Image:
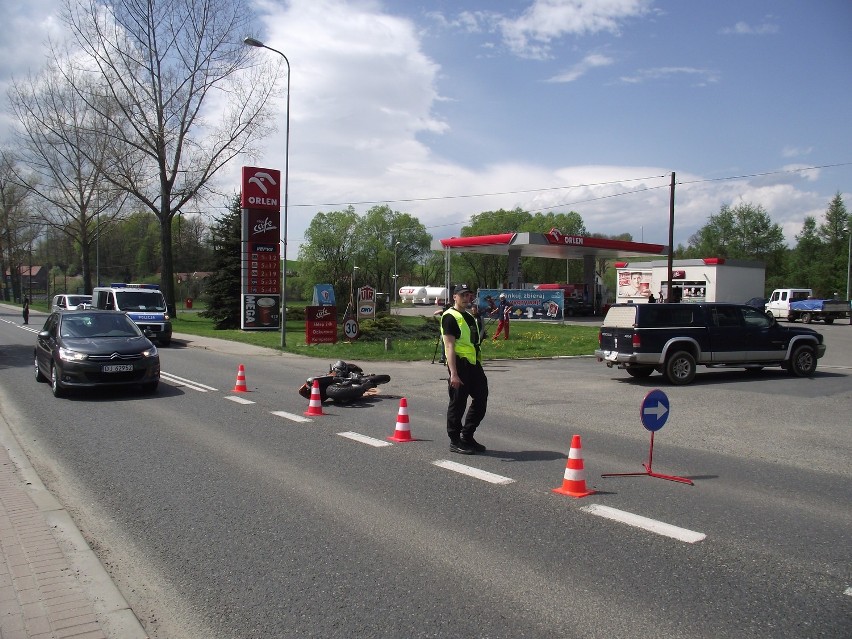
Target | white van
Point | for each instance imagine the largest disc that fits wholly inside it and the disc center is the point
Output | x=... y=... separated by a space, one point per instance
x=779 y=302
x=70 y=302
x=145 y=304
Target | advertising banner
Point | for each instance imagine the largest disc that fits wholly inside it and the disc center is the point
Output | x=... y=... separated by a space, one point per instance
x=635 y=284
x=324 y=295
x=526 y=303
x=261 y=312
x=320 y=325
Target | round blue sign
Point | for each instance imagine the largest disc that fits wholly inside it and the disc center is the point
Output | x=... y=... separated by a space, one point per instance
x=655 y=410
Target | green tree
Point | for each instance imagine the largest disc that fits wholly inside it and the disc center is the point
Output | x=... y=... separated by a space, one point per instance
x=327 y=252
x=743 y=232
x=831 y=274
x=487 y=271
x=223 y=288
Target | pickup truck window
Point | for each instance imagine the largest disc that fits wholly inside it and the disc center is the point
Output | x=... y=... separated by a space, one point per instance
x=665 y=315
x=725 y=316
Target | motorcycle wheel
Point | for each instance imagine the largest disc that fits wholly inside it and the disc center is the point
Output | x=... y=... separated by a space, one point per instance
x=347 y=392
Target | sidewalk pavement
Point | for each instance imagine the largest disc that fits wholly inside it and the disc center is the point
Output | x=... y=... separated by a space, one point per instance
x=52 y=585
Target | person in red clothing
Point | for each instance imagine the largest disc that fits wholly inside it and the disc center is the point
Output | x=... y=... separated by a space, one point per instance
x=503 y=313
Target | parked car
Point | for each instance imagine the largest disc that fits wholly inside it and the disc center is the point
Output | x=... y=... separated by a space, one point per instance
x=70 y=302
x=574 y=306
x=91 y=348
x=758 y=303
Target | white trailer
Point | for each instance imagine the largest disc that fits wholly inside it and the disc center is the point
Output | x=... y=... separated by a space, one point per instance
x=711 y=279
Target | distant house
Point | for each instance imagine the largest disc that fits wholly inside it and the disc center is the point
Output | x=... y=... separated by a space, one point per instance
x=35 y=274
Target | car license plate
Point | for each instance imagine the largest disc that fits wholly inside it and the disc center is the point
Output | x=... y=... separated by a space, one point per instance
x=117 y=368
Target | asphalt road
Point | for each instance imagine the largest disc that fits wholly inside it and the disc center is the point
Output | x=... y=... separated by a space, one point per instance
x=221 y=518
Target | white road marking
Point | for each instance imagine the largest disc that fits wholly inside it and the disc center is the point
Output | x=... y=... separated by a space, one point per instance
x=238 y=400
x=292 y=417
x=651 y=525
x=470 y=471
x=371 y=441
x=848 y=591
x=201 y=388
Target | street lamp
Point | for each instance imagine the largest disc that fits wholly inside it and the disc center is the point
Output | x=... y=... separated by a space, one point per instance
x=352 y=290
x=257 y=43
x=848 y=259
x=395 y=273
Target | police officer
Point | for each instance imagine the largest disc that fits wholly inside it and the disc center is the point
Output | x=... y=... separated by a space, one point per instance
x=460 y=335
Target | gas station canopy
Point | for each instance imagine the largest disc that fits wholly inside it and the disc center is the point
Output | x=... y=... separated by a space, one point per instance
x=553 y=244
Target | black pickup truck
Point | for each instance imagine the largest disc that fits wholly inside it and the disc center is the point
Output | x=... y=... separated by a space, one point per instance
x=674 y=338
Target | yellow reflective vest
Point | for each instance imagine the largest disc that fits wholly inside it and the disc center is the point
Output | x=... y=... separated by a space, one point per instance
x=465 y=347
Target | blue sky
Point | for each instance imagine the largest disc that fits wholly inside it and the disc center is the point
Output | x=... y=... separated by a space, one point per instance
x=550 y=105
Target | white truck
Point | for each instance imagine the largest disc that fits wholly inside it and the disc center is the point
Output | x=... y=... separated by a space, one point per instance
x=781 y=298
x=795 y=304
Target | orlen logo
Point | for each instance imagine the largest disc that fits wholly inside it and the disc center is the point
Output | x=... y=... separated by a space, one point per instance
x=261 y=188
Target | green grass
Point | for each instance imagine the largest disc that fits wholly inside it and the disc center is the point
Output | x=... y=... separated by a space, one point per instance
x=412 y=339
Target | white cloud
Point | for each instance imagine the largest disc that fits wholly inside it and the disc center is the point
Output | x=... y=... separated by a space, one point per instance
x=701 y=76
x=546 y=20
x=743 y=28
x=580 y=69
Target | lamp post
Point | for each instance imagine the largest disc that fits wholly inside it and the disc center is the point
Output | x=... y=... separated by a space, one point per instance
x=848 y=259
x=395 y=273
x=257 y=43
x=352 y=291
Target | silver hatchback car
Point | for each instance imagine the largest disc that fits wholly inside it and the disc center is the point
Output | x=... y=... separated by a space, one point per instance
x=71 y=302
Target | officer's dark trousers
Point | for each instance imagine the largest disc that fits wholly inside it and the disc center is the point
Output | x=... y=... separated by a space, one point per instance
x=474 y=386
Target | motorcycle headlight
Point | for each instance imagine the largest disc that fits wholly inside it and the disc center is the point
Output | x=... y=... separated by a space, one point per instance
x=67 y=355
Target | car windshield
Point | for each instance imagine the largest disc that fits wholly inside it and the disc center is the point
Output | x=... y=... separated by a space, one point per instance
x=76 y=300
x=85 y=325
x=141 y=301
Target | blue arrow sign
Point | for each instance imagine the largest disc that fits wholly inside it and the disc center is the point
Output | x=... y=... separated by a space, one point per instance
x=655 y=410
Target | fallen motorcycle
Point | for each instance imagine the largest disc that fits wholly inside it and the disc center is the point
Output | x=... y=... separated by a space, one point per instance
x=343 y=383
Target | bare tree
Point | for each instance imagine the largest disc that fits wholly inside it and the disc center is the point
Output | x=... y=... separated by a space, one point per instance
x=17 y=230
x=183 y=92
x=65 y=148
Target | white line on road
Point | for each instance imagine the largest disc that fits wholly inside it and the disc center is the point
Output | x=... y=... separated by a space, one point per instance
x=848 y=591
x=651 y=525
x=238 y=400
x=201 y=388
x=470 y=471
x=292 y=417
x=371 y=441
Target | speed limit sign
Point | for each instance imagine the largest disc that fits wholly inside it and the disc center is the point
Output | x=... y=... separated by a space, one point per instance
x=350 y=328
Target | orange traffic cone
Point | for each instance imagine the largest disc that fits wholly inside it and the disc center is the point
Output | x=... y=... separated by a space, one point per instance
x=403 y=431
x=240 y=386
x=315 y=405
x=574 y=483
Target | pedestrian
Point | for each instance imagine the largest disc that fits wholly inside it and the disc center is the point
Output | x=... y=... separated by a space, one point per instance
x=503 y=311
x=467 y=378
x=26 y=310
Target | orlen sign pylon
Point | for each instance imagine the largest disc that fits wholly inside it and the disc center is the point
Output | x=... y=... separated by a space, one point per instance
x=261 y=249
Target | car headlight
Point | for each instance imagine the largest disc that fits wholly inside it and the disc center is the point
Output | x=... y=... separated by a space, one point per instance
x=67 y=355
x=150 y=352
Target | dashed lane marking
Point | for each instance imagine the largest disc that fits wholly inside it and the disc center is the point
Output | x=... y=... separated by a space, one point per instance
x=292 y=417
x=238 y=400
x=651 y=525
x=370 y=441
x=198 y=386
x=470 y=471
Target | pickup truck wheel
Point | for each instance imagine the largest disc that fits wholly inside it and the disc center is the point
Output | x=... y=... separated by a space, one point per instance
x=804 y=361
x=807 y=318
x=639 y=371
x=680 y=368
